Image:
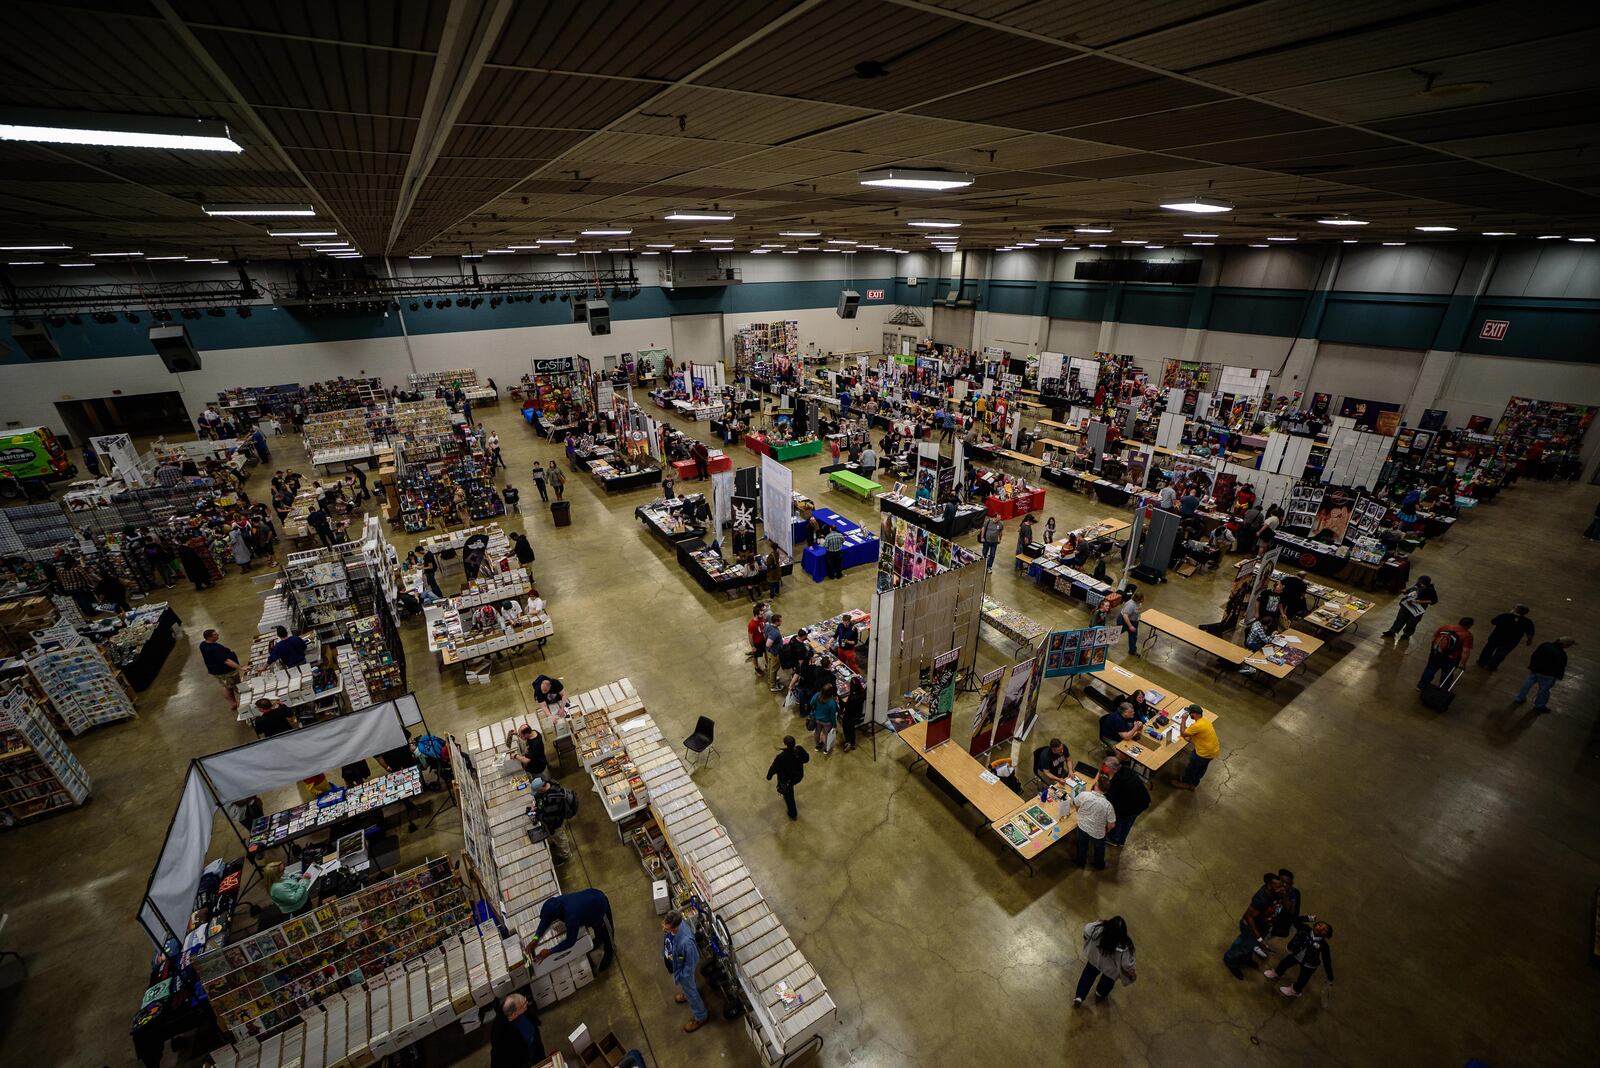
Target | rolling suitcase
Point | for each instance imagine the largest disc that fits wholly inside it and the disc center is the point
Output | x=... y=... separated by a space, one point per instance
x=1438 y=696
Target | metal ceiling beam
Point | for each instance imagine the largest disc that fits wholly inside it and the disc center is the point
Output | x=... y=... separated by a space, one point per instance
x=471 y=30
x=348 y=290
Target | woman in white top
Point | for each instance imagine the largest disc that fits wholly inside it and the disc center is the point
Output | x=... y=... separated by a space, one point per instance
x=535 y=605
x=1108 y=956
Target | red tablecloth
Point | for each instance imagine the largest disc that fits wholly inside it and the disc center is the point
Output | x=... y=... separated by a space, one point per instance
x=686 y=469
x=757 y=443
x=1022 y=504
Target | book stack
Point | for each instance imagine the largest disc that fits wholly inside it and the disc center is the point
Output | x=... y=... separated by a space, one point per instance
x=352 y=678
x=38 y=773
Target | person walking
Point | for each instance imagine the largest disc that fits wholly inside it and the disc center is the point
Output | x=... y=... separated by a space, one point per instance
x=222 y=664
x=558 y=481
x=1024 y=539
x=1546 y=667
x=1128 y=620
x=1128 y=796
x=1255 y=926
x=553 y=806
x=1509 y=629
x=1107 y=956
x=789 y=767
x=1449 y=649
x=320 y=521
x=521 y=548
x=869 y=464
x=1195 y=728
x=756 y=631
x=538 y=480
x=239 y=546
x=833 y=550
x=1308 y=949
x=1413 y=603
x=824 y=715
x=1096 y=818
x=774 y=573
x=576 y=911
x=682 y=956
x=496 y=461
x=989 y=537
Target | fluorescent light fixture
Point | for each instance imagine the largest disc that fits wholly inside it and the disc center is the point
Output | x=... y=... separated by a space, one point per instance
x=159 y=259
x=760 y=251
x=1052 y=240
x=839 y=241
x=1134 y=241
x=1341 y=220
x=697 y=215
x=852 y=252
x=1205 y=244
x=607 y=232
x=1548 y=237
x=1437 y=229
x=681 y=251
x=35 y=248
x=912 y=178
x=1346 y=241
x=112 y=255
x=799 y=233
x=303 y=233
x=1071 y=248
x=936 y=224
x=774 y=244
x=1198 y=205
x=1094 y=228
x=1097 y=246
x=32 y=263
x=115 y=131
x=258 y=209
x=809 y=248
x=347 y=255
x=716 y=240
x=419 y=257
x=1262 y=245
x=1201 y=236
x=1393 y=244
x=658 y=246
x=472 y=255
x=1027 y=244
x=1282 y=239
x=1582 y=240
x=555 y=241
x=791 y=252
x=499 y=252
x=325 y=244
x=566 y=253
x=619 y=250
x=1499 y=233
x=77 y=265
x=1155 y=246
x=651 y=253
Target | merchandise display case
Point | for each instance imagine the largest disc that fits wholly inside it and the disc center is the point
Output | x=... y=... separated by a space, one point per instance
x=38 y=773
x=77 y=680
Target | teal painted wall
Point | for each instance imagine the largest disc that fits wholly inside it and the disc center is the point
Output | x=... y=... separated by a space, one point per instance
x=1542 y=328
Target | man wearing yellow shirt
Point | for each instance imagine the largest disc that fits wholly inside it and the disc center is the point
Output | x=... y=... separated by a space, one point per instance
x=1197 y=729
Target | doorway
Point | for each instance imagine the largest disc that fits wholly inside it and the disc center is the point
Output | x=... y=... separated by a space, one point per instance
x=142 y=414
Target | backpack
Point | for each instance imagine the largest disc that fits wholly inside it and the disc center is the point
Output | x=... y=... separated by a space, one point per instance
x=569 y=803
x=1445 y=642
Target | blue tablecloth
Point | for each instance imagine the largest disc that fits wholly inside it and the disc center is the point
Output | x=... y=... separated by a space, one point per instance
x=814 y=559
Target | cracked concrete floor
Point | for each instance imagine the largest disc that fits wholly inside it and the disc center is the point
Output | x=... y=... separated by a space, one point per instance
x=1456 y=854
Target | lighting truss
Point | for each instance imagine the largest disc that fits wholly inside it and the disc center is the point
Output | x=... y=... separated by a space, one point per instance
x=309 y=291
x=109 y=296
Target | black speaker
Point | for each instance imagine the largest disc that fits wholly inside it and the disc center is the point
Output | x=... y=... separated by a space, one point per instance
x=599 y=317
x=34 y=339
x=172 y=345
x=849 y=300
x=580 y=309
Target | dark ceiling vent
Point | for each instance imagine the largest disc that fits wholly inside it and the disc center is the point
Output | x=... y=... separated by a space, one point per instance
x=871 y=68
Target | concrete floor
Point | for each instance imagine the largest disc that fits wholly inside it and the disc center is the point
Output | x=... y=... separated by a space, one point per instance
x=1455 y=854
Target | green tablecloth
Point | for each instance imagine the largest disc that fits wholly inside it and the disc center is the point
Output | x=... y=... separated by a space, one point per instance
x=865 y=488
x=796 y=451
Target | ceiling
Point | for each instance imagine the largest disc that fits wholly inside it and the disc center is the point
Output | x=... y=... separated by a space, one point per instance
x=443 y=126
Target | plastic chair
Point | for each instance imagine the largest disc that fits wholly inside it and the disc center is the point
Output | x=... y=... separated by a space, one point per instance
x=699 y=743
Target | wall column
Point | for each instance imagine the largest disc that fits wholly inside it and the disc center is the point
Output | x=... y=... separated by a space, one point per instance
x=1440 y=360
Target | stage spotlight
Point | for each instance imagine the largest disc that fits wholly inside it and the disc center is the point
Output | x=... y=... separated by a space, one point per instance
x=444 y=304
x=57 y=320
x=217 y=313
x=132 y=318
x=244 y=311
x=99 y=317
x=161 y=316
x=75 y=320
x=413 y=305
x=427 y=304
x=190 y=313
x=494 y=302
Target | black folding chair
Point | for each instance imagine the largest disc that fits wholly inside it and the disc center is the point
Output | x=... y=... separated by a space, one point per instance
x=699 y=743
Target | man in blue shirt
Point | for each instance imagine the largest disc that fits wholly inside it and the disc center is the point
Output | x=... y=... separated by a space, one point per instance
x=577 y=910
x=682 y=957
x=222 y=664
x=1121 y=725
x=289 y=650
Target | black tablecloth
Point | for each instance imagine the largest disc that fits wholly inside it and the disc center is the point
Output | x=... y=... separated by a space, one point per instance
x=637 y=480
x=951 y=529
x=1116 y=498
x=147 y=665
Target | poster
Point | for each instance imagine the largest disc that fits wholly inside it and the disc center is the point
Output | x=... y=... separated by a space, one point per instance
x=1076 y=652
x=1012 y=697
x=1332 y=517
x=1262 y=576
x=777 y=504
x=1224 y=490
x=1432 y=419
x=120 y=457
x=1368 y=413
x=983 y=721
x=1369 y=512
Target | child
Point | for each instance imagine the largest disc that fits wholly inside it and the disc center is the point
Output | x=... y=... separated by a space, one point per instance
x=511 y=498
x=1049 y=530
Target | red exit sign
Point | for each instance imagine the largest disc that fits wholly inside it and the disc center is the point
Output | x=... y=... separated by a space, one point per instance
x=874 y=294
x=1494 y=329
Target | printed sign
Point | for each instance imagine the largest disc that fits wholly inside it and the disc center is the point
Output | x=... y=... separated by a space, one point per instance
x=874 y=294
x=552 y=365
x=1494 y=329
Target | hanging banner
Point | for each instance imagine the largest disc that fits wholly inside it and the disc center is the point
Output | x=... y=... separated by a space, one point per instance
x=777 y=504
x=721 y=502
x=983 y=721
x=1012 y=699
x=1262 y=576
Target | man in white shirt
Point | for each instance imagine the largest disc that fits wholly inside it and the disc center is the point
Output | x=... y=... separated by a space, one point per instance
x=869 y=462
x=1167 y=496
x=1095 y=818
